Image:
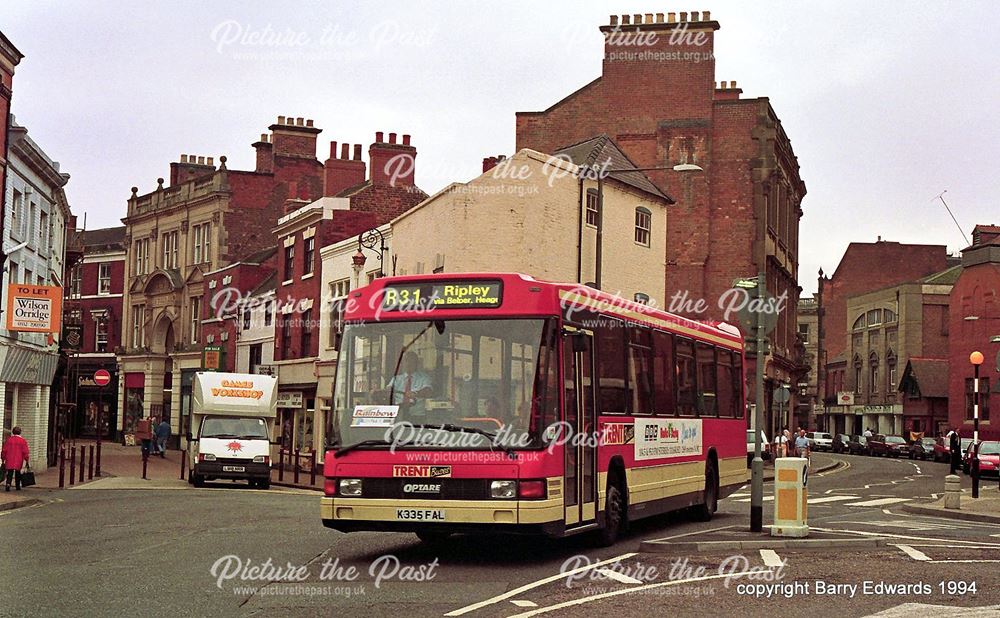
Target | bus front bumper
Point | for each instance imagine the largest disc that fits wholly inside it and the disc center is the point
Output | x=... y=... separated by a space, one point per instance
x=513 y=516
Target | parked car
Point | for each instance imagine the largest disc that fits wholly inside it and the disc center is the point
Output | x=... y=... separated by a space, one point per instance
x=923 y=448
x=765 y=447
x=888 y=446
x=841 y=443
x=857 y=445
x=942 y=449
x=819 y=441
x=989 y=458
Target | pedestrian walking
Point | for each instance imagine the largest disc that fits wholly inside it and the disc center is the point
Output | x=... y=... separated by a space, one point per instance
x=868 y=433
x=955 y=443
x=15 y=456
x=802 y=444
x=162 y=435
x=783 y=442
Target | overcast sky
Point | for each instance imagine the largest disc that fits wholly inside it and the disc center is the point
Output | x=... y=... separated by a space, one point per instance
x=886 y=105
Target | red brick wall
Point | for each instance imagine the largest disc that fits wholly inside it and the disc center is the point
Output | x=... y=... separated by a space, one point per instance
x=935 y=327
x=974 y=294
x=111 y=304
x=866 y=267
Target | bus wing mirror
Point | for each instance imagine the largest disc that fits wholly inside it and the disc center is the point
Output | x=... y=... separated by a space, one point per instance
x=579 y=342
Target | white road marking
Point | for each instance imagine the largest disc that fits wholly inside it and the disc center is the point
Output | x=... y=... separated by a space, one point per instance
x=916 y=554
x=524 y=603
x=766 y=499
x=903 y=536
x=771 y=558
x=618 y=577
x=536 y=584
x=739 y=495
x=879 y=502
x=614 y=593
x=960 y=561
x=830 y=499
x=677 y=536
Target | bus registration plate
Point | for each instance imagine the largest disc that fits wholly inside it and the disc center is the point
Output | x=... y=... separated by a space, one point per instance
x=420 y=514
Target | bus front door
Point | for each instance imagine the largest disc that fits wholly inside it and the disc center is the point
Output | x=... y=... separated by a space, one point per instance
x=581 y=418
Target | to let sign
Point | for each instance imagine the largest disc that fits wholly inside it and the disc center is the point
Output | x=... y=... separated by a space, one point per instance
x=34 y=308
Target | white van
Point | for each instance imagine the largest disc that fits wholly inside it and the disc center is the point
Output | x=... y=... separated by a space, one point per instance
x=231 y=419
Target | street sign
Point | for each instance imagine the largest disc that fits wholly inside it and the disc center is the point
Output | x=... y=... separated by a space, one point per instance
x=102 y=378
x=781 y=394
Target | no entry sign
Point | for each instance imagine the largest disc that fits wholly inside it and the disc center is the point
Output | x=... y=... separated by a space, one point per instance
x=102 y=377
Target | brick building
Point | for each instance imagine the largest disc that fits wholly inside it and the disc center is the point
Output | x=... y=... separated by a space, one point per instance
x=810 y=402
x=96 y=288
x=350 y=205
x=204 y=220
x=896 y=263
x=975 y=326
x=660 y=101
x=896 y=353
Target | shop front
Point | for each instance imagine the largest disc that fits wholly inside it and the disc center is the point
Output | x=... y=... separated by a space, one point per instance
x=96 y=406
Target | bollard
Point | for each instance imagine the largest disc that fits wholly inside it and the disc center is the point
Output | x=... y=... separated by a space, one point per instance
x=952 y=492
x=72 y=466
x=974 y=469
x=281 y=465
x=312 y=471
x=791 y=476
x=183 y=461
x=62 y=467
x=97 y=470
x=90 y=465
x=295 y=468
x=145 y=460
x=83 y=457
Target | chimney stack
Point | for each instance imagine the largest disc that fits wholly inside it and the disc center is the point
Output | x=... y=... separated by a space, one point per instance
x=392 y=164
x=342 y=173
x=189 y=167
x=265 y=154
x=294 y=137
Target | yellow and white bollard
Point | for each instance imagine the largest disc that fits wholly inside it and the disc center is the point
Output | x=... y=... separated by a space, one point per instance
x=791 y=475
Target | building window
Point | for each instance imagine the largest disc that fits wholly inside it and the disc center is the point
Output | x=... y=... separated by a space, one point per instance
x=16 y=213
x=592 y=213
x=102 y=333
x=984 y=399
x=246 y=319
x=306 y=333
x=338 y=295
x=804 y=333
x=892 y=385
x=286 y=337
x=142 y=256
x=857 y=377
x=339 y=288
x=643 y=223
x=43 y=233
x=13 y=273
x=28 y=276
x=256 y=356
x=289 y=269
x=202 y=243
x=138 y=326
x=75 y=276
x=195 y=318
x=268 y=314
x=170 y=250
x=196 y=245
x=873 y=368
x=32 y=211
x=874 y=317
x=103 y=278
x=308 y=255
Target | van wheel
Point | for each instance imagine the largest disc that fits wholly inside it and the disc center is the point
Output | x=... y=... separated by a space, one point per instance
x=705 y=510
x=264 y=484
x=614 y=517
x=199 y=480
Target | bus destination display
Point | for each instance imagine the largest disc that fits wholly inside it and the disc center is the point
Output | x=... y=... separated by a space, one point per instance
x=442 y=295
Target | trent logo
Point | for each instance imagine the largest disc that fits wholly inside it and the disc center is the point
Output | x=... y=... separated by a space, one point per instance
x=234 y=446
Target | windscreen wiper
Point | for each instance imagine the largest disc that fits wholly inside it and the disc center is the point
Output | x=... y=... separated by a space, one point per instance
x=350 y=447
x=459 y=428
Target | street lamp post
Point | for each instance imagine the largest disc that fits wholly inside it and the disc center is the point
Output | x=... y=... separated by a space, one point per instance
x=368 y=240
x=976 y=358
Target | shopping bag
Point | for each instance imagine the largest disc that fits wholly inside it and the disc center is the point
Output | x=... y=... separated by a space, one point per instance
x=27 y=478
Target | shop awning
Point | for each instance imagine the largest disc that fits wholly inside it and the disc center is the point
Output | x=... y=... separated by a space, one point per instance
x=25 y=366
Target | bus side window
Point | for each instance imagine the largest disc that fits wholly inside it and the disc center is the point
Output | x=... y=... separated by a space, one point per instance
x=663 y=374
x=707 y=392
x=640 y=370
x=610 y=337
x=684 y=361
x=727 y=399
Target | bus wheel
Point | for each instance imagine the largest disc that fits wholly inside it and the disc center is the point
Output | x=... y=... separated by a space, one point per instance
x=614 y=516
x=433 y=537
x=198 y=480
x=704 y=511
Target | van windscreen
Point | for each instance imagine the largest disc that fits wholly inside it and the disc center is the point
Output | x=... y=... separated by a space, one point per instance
x=234 y=427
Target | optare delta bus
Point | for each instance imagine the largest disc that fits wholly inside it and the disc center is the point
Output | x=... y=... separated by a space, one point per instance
x=494 y=402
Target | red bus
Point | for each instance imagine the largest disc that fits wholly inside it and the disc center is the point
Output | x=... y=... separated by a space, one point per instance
x=497 y=402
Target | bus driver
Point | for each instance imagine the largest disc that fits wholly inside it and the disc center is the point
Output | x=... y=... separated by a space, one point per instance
x=411 y=386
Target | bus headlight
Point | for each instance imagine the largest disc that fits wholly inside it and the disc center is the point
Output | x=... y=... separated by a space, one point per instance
x=350 y=487
x=503 y=489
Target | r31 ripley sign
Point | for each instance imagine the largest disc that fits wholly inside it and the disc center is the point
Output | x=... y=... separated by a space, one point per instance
x=34 y=308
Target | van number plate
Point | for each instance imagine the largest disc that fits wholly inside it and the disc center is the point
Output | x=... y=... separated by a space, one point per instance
x=420 y=514
x=233 y=469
